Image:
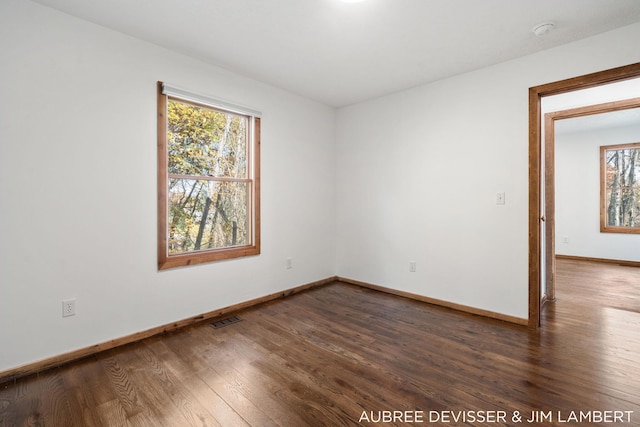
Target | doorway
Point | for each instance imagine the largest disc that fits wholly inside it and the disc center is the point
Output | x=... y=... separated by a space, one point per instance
x=598 y=116
x=539 y=186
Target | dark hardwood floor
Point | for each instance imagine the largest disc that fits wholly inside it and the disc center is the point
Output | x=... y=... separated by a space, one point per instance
x=340 y=354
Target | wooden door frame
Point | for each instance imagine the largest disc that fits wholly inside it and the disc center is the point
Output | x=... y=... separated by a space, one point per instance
x=549 y=171
x=536 y=167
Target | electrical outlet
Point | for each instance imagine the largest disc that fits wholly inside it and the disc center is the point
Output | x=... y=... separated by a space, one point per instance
x=500 y=198
x=565 y=239
x=412 y=267
x=69 y=307
x=289 y=263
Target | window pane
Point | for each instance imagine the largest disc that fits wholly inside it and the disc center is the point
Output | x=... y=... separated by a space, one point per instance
x=622 y=184
x=206 y=142
x=207 y=215
x=623 y=207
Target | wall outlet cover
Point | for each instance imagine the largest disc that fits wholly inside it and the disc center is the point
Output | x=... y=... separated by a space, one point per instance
x=69 y=307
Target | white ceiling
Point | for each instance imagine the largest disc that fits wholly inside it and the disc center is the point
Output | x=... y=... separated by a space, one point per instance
x=340 y=53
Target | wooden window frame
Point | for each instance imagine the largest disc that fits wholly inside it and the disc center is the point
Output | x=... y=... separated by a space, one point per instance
x=604 y=228
x=166 y=260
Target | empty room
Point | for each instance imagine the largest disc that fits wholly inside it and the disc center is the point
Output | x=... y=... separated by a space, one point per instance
x=319 y=213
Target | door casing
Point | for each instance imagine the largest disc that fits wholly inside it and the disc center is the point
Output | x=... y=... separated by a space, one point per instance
x=537 y=169
x=549 y=171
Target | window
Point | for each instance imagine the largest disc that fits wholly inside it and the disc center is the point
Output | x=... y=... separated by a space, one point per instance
x=208 y=179
x=620 y=188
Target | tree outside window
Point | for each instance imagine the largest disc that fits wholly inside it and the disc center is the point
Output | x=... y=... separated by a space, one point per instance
x=208 y=183
x=620 y=188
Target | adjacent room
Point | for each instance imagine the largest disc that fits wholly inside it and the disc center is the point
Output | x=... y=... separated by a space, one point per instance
x=281 y=212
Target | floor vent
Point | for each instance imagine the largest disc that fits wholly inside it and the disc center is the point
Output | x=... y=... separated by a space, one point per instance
x=225 y=322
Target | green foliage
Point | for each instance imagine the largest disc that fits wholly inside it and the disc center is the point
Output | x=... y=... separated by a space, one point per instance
x=205 y=212
x=206 y=142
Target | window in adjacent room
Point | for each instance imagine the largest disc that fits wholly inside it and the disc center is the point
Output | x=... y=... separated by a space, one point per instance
x=620 y=188
x=208 y=179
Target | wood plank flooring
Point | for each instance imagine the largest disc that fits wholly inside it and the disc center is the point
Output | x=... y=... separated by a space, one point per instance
x=326 y=356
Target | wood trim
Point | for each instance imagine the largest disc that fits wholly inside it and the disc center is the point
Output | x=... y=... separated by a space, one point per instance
x=603 y=188
x=590 y=110
x=586 y=81
x=535 y=95
x=62 y=359
x=441 y=303
x=625 y=263
x=257 y=132
x=535 y=179
x=549 y=210
x=162 y=176
x=607 y=107
x=210 y=255
x=166 y=261
x=604 y=228
x=549 y=122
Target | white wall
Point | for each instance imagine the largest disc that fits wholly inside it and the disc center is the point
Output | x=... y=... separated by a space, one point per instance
x=419 y=172
x=78 y=187
x=577 y=175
